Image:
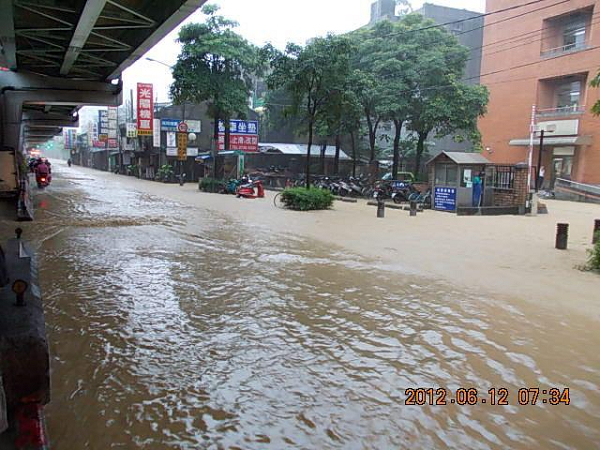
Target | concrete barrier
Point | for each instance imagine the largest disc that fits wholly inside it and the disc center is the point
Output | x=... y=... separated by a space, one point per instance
x=24 y=356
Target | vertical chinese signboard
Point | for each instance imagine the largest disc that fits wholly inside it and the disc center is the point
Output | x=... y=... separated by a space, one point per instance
x=112 y=127
x=243 y=135
x=102 y=129
x=145 y=109
x=182 y=143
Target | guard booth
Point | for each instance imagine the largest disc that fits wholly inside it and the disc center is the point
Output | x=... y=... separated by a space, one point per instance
x=453 y=177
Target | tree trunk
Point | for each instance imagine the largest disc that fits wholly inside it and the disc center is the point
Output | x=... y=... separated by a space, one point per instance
x=227 y=135
x=372 y=135
x=216 y=147
x=353 y=143
x=336 y=161
x=322 y=160
x=398 y=124
x=310 y=141
x=420 y=148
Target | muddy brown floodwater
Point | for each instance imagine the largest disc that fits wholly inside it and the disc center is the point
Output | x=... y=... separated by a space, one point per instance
x=175 y=328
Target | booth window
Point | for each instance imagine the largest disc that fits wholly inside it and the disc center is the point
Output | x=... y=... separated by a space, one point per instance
x=445 y=175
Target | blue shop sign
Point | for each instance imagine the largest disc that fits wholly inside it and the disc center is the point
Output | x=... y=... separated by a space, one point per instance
x=249 y=127
x=169 y=124
x=445 y=199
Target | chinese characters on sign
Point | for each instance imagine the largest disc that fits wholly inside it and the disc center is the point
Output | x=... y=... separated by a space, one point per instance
x=112 y=127
x=243 y=135
x=102 y=127
x=445 y=199
x=182 y=142
x=145 y=109
x=131 y=131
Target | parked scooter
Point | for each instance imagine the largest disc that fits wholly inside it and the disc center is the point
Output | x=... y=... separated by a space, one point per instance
x=252 y=190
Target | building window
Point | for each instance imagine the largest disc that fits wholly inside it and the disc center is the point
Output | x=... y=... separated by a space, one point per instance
x=568 y=33
x=569 y=95
x=574 y=34
x=445 y=175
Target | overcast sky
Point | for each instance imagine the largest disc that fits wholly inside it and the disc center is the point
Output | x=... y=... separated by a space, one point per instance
x=275 y=21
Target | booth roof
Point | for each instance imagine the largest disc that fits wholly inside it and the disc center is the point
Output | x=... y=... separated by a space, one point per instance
x=301 y=149
x=463 y=158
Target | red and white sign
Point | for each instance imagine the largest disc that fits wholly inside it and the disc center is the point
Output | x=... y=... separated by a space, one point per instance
x=145 y=109
x=241 y=142
x=182 y=127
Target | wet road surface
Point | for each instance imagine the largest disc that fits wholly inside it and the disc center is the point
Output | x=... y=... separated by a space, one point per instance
x=172 y=327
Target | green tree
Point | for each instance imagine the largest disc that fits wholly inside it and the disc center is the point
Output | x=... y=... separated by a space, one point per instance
x=596 y=83
x=311 y=75
x=439 y=102
x=409 y=74
x=215 y=66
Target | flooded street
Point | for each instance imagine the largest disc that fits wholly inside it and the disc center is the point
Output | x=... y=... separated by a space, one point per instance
x=171 y=327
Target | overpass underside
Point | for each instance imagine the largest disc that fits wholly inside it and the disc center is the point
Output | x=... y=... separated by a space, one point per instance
x=59 y=55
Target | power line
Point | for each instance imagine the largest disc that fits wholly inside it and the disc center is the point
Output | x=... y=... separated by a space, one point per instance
x=446 y=24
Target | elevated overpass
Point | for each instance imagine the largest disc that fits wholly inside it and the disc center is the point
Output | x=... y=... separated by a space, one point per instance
x=59 y=55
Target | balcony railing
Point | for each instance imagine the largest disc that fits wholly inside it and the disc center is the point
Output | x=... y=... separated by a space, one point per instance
x=561 y=111
x=565 y=49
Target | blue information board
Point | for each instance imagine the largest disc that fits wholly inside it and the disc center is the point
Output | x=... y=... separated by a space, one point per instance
x=445 y=199
x=249 y=127
x=169 y=124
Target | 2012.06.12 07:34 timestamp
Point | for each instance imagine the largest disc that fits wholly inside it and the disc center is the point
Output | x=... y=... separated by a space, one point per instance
x=494 y=396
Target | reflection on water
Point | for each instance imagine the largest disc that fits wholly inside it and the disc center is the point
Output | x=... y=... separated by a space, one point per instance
x=174 y=328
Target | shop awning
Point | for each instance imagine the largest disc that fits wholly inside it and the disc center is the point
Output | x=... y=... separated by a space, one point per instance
x=554 y=141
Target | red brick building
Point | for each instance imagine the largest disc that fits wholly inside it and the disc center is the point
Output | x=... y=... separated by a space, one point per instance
x=544 y=54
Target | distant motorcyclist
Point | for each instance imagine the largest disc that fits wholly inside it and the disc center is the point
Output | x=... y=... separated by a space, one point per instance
x=42 y=169
x=69 y=162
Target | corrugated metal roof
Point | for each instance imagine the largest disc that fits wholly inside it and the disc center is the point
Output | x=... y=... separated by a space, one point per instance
x=464 y=158
x=301 y=149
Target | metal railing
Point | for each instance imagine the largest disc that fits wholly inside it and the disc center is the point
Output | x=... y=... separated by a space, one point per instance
x=565 y=49
x=504 y=178
x=562 y=111
x=593 y=189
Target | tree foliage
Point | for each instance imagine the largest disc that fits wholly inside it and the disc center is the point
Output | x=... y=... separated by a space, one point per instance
x=414 y=70
x=596 y=83
x=215 y=66
x=313 y=76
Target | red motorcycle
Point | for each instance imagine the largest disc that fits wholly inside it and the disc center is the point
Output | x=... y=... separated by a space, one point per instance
x=253 y=189
x=42 y=180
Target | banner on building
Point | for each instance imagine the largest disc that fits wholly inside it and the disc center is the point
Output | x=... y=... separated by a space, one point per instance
x=69 y=136
x=145 y=109
x=171 y=151
x=182 y=143
x=103 y=125
x=156 y=133
x=171 y=139
x=243 y=135
x=131 y=130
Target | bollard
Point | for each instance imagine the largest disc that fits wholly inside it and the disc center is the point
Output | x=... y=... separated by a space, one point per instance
x=562 y=236
x=596 y=234
x=18 y=232
x=413 y=209
x=380 y=208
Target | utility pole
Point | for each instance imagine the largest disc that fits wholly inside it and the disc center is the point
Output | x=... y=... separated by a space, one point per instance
x=539 y=166
x=531 y=142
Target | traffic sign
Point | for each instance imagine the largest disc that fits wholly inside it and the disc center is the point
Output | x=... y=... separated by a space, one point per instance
x=182 y=127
